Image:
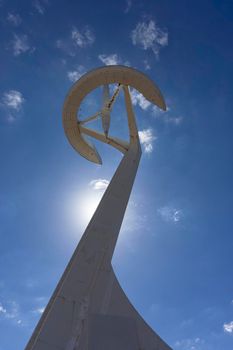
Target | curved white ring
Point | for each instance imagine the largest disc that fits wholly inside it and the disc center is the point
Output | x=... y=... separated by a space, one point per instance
x=90 y=81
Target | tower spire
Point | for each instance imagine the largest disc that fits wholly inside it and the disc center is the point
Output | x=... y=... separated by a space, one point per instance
x=88 y=309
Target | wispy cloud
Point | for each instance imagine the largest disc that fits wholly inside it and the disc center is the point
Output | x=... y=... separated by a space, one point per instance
x=39 y=310
x=2 y=309
x=99 y=184
x=74 y=75
x=66 y=45
x=190 y=344
x=110 y=59
x=128 y=6
x=40 y=6
x=147 y=139
x=173 y=120
x=13 y=99
x=138 y=99
x=134 y=220
x=228 y=327
x=170 y=214
x=20 y=44
x=168 y=117
x=11 y=103
x=11 y=312
x=78 y=38
x=14 y=19
x=148 y=35
x=84 y=37
x=146 y=65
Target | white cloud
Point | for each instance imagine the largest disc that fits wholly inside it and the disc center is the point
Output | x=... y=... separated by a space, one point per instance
x=146 y=65
x=190 y=344
x=39 y=310
x=76 y=74
x=147 y=139
x=2 y=309
x=13 y=99
x=167 y=117
x=11 y=103
x=67 y=46
x=170 y=214
x=228 y=327
x=135 y=220
x=112 y=59
x=83 y=38
x=109 y=60
x=139 y=99
x=77 y=39
x=11 y=312
x=156 y=112
x=174 y=120
x=40 y=6
x=99 y=184
x=20 y=44
x=128 y=6
x=148 y=35
x=14 y=19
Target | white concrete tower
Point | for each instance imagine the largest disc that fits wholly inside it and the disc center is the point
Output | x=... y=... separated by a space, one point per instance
x=88 y=309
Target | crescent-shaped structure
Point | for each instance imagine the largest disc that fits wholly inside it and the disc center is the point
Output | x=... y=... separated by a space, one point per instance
x=101 y=77
x=88 y=309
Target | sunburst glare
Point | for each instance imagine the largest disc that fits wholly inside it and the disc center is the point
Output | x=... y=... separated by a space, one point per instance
x=82 y=206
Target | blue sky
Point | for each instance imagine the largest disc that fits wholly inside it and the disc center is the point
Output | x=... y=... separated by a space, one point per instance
x=174 y=254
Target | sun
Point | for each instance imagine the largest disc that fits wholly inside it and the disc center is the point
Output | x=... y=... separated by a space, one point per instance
x=82 y=207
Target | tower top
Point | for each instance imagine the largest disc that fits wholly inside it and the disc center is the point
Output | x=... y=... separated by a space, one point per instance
x=76 y=130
